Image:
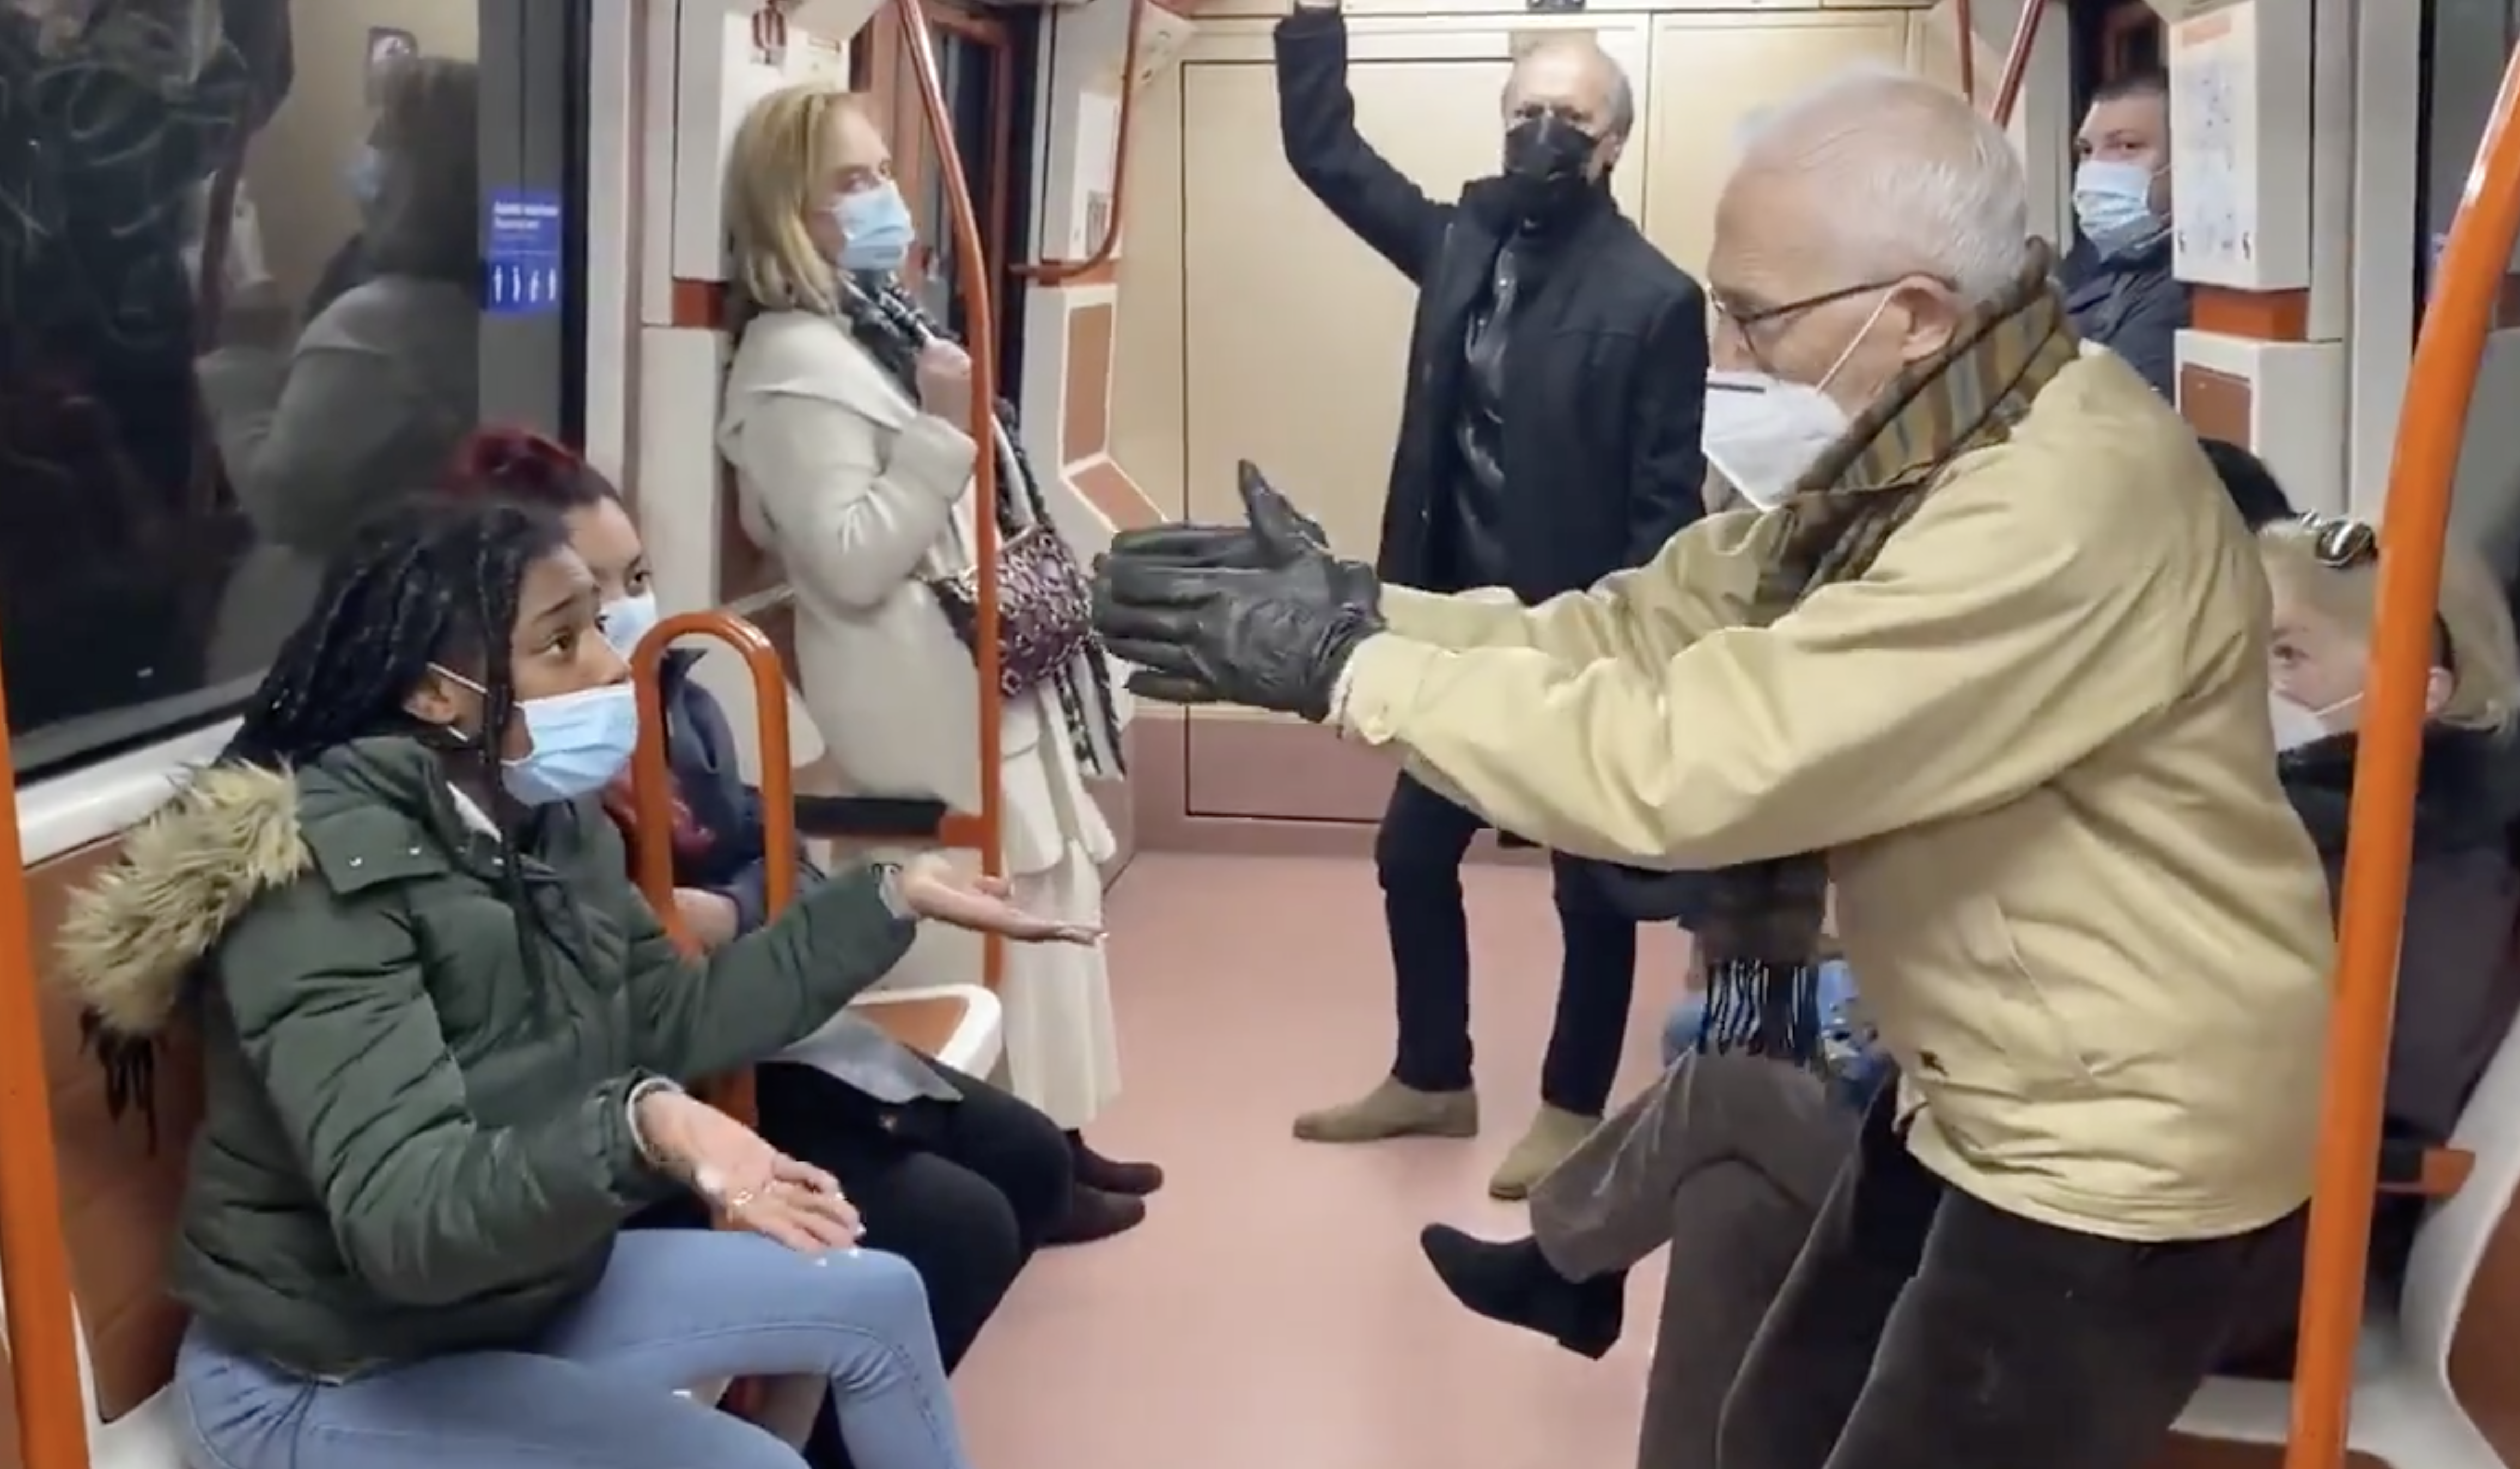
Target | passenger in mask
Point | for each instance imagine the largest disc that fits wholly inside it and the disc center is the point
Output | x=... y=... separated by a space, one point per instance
x=847 y=419
x=2118 y=283
x=442 y=1039
x=1549 y=436
x=1994 y=659
x=947 y=1170
x=379 y=388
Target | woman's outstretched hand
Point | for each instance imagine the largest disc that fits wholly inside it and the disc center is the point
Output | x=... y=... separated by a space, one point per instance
x=749 y=1181
x=932 y=888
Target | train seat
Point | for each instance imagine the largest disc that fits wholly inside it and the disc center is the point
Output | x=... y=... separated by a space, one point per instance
x=2405 y=1411
x=122 y=1187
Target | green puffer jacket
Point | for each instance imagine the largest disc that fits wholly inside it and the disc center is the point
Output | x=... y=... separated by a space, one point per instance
x=410 y=1146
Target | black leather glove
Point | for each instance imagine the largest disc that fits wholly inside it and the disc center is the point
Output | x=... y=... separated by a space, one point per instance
x=1253 y=614
x=1274 y=534
x=1272 y=639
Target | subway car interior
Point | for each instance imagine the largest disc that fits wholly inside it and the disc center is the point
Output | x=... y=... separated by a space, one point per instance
x=205 y=288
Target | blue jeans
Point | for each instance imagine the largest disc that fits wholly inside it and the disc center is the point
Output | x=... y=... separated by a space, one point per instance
x=674 y=1309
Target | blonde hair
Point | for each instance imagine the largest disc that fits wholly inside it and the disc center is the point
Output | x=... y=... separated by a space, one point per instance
x=2482 y=655
x=782 y=150
x=427 y=219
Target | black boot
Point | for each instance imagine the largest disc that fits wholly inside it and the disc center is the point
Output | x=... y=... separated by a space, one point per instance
x=1093 y=1170
x=1514 y=1282
x=1094 y=1214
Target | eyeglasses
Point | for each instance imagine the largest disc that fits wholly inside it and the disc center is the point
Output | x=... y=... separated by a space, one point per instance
x=2340 y=543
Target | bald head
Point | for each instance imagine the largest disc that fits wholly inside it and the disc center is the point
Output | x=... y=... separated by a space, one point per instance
x=1572 y=77
x=1866 y=220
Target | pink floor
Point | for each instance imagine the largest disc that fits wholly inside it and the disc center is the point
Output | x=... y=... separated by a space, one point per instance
x=1274 y=1310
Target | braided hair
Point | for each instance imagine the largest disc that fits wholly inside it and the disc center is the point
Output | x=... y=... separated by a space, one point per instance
x=433 y=582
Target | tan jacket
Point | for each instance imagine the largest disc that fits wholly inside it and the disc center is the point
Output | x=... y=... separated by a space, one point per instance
x=2033 y=739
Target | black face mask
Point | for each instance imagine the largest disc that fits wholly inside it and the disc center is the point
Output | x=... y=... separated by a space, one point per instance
x=1545 y=163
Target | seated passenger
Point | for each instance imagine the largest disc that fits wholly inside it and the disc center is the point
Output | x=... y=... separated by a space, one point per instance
x=441 y=1034
x=2118 y=282
x=846 y=421
x=1734 y=1155
x=948 y=1171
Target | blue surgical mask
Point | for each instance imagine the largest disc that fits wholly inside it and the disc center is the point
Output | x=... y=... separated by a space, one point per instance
x=627 y=620
x=2113 y=205
x=366 y=174
x=581 y=742
x=875 y=232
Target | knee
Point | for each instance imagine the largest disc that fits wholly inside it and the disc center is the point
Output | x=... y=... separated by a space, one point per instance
x=880 y=1291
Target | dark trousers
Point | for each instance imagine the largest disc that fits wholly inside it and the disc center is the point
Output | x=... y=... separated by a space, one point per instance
x=963 y=1190
x=1417 y=857
x=1923 y=1329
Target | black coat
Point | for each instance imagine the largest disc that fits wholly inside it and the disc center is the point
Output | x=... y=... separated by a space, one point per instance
x=1606 y=375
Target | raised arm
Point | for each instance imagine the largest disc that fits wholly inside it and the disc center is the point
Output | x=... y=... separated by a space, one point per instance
x=852 y=517
x=428 y=1205
x=1316 y=121
x=1975 y=669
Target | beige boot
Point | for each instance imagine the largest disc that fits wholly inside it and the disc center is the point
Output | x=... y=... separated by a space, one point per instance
x=1555 y=1132
x=1392 y=1109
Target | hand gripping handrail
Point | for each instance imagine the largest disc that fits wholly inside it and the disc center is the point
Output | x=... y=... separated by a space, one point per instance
x=652 y=798
x=1060 y=272
x=2380 y=820
x=979 y=309
x=34 y=1259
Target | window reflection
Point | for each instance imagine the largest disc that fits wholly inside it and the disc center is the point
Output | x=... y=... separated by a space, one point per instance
x=238 y=248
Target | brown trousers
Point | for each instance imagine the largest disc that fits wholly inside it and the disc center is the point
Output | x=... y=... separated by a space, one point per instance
x=1831 y=1304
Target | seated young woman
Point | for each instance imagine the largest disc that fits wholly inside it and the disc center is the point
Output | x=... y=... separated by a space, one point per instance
x=952 y=1174
x=440 y=1039
x=1732 y=1154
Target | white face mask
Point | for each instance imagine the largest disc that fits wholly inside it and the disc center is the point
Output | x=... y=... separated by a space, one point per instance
x=627 y=620
x=1763 y=433
x=2297 y=724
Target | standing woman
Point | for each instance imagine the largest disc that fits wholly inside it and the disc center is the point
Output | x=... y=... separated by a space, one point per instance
x=846 y=416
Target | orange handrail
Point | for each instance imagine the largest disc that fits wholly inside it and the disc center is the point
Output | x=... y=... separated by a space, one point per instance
x=1060 y=272
x=34 y=1259
x=2431 y=428
x=2016 y=61
x=651 y=785
x=979 y=309
x=651 y=800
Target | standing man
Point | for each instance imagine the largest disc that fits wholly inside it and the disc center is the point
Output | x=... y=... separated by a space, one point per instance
x=1994 y=662
x=2119 y=289
x=1549 y=437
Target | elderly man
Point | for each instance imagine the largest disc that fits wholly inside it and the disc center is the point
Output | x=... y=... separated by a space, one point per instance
x=1994 y=658
x=2118 y=285
x=1549 y=436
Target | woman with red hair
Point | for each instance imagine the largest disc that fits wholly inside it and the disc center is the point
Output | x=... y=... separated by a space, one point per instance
x=949 y=1171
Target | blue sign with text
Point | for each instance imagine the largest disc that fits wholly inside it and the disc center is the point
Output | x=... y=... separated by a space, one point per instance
x=524 y=257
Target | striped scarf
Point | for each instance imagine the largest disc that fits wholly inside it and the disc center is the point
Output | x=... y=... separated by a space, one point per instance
x=894 y=327
x=1761 y=934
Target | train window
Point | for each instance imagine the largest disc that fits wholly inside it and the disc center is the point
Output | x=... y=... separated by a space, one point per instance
x=2464 y=45
x=972 y=60
x=256 y=258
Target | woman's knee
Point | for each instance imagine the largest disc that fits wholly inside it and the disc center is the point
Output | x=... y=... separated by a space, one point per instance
x=957 y=1231
x=1023 y=1155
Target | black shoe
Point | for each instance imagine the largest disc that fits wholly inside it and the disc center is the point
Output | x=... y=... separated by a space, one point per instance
x=1092 y=1215
x=1112 y=1177
x=1514 y=1282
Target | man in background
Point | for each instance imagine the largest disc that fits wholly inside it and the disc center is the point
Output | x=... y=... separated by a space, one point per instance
x=2119 y=289
x=1547 y=436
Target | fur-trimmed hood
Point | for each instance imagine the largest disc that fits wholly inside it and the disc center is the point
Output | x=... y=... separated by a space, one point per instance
x=131 y=937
